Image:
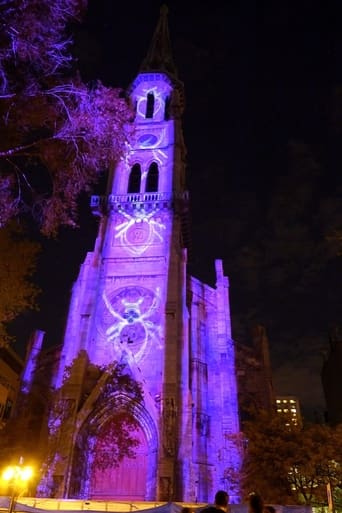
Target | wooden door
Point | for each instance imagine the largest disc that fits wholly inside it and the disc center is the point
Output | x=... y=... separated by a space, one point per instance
x=126 y=482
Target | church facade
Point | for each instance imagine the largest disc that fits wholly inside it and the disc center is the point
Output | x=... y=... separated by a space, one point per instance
x=135 y=303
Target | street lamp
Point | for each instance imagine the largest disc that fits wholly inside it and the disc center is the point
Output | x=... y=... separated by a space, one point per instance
x=16 y=476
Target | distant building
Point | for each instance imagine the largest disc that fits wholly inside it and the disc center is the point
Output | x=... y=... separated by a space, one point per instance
x=288 y=406
x=254 y=374
x=331 y=376
x=11 y=366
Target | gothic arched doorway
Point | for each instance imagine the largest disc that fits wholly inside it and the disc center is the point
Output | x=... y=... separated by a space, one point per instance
x=126 y=481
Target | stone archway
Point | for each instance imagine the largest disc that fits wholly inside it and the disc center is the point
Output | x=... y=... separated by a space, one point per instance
x=126 y=481
x=110 y=482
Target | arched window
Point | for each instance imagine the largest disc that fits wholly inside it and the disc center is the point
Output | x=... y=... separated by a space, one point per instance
x=167 y=108
x=152 y=178
x=134 y=179
x=150 y=105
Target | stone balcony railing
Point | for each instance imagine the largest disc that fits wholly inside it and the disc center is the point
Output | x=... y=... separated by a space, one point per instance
x=102 y=204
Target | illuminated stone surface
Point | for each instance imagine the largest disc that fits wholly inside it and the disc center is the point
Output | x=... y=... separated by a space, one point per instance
x=134 y=302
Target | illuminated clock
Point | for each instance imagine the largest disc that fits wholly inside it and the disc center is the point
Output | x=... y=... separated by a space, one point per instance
x=148 y=141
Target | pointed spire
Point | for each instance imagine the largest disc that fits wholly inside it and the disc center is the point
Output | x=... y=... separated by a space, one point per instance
x=159 y=55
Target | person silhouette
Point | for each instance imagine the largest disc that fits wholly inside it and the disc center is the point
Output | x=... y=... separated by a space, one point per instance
x=255 y=503
x=221 y=503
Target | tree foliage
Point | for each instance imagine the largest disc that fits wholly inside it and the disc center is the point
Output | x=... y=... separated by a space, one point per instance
x=289 y=464
x=17 y=263
x=117 y=441
x=57 y=134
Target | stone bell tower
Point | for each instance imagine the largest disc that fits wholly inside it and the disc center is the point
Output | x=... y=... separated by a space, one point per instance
x=134 y=302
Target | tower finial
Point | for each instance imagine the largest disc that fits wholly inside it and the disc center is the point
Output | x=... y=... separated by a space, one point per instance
x=159 y=55
x=164 y=10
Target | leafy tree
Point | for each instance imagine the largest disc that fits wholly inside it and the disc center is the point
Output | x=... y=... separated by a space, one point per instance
x=316 y=462
x=17 y=263
x=288 y=464
x=57 y=134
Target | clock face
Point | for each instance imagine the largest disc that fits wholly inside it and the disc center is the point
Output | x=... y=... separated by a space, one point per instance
x=148 y=141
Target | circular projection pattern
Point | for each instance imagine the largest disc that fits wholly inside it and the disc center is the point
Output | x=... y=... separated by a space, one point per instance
x=147 y=141
x=131 y=320
x=139 y=233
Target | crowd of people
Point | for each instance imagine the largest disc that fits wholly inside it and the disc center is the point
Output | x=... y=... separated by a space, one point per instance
x=221 y=503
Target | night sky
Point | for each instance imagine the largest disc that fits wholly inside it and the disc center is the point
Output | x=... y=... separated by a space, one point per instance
x=263 y=130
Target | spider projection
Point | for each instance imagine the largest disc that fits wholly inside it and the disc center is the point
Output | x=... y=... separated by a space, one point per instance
x=139 y=231
x=135 y=320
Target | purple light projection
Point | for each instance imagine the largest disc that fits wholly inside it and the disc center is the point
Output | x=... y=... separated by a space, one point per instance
x=33 y=351
x=135 y=314
x=145 y=230
x=133 y=302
